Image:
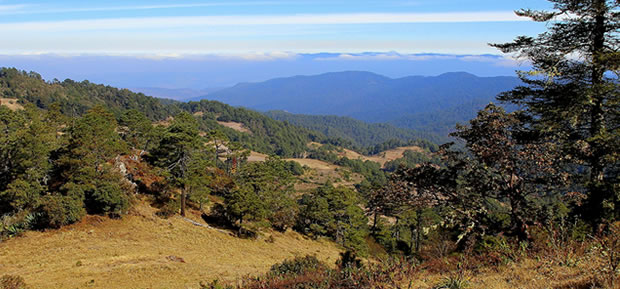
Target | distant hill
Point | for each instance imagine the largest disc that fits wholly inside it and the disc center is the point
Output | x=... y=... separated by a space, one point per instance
x=406 y=102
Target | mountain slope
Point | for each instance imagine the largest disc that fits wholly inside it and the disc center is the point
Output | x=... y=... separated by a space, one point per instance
x=370 y=97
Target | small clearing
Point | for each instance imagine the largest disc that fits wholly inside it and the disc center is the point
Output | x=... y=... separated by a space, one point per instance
x=393 y=154
x=144 y=251
x=381 y=158
x=257 y=157
x=236 y=126
x=319 y=172
x=11 y=103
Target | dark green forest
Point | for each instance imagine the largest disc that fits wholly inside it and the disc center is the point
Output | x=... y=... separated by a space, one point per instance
x=359 y=133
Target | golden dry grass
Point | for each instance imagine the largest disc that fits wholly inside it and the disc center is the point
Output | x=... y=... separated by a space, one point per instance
x=11 y=103
x=145 y=251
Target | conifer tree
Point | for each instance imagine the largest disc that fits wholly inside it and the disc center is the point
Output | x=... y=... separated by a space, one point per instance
x=86 y=163
x=571 y=94
x=183 y=154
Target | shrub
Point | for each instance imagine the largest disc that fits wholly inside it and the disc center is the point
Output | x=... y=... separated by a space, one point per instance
x=57 y=211
x=13 y=225
x=610 y=253
x=285 y=217
x=169 y=209
x=453 y=282
x=109 y=197
x=12 y=282
x=348 y=259
x=297 y=266
x=215 y=284
x=247 y=233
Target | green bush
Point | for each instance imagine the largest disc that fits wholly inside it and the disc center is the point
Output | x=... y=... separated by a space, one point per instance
x=169 y=209
x=109 y=197
x=297 y=266
x=13 y=225
x=57 y=211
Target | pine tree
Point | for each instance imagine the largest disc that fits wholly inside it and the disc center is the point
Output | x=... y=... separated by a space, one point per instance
x=571 y=94
x=183 y=154
x=86 y=163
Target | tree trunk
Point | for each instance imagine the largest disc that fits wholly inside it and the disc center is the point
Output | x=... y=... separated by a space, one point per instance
x=518 y=226
x=418 y=231
x=183 y=197
x=374 y=224
x=597 y=194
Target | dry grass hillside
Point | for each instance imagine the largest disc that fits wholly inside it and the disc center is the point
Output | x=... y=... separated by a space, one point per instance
x=145 y=251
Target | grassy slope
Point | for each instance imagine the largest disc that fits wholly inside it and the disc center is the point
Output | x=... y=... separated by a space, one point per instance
x=528 y=273
x=134 y=253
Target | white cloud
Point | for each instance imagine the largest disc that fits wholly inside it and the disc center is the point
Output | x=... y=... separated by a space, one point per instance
x=504 y=61
x=387 y=56
x=249 y=20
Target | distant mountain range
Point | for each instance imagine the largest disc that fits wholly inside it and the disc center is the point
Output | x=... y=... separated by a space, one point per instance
x=180 y=94
x=428 y=104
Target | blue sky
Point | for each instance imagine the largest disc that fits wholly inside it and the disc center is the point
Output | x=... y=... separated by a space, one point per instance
x=255 y=30
x=243 y=26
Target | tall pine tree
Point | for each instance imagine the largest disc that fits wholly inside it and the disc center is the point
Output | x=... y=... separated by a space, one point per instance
x=571 y=94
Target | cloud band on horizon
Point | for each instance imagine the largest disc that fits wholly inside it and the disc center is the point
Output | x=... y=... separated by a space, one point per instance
x=240 y=20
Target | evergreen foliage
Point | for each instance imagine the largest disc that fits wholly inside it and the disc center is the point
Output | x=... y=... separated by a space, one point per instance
x=571 y=94
x=334 y=212
x=264 y=192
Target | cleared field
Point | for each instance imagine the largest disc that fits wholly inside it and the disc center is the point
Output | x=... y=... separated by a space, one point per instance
x=380 y=158
x=320 y=172
x=235 y=125
x=392 y=154
x=257 y=157
x=11 y=103
x=145 y=251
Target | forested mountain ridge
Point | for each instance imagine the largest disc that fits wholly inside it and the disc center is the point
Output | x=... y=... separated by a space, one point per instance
x=370 y=97
x=75 y=98
x=360 y=133
x=267 y=135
